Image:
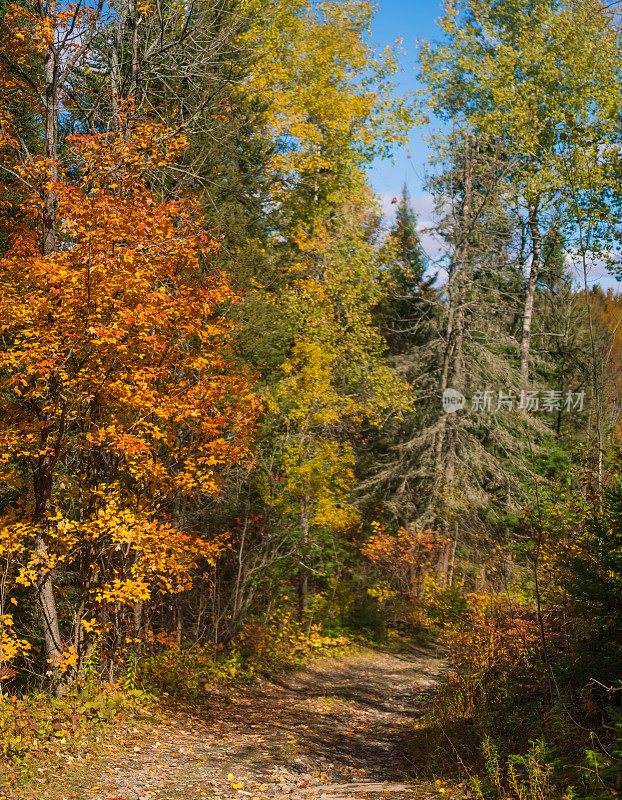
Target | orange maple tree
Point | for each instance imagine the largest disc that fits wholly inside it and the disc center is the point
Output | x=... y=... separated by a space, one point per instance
x=404 y=556
x=118 y=397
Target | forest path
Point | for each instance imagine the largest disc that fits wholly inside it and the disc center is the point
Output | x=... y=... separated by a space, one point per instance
x=337 y=730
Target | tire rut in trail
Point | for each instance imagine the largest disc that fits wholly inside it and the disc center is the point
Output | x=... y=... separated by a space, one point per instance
x=335 y=731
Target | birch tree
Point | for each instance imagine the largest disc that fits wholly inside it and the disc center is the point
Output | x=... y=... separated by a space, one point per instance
x=528 y=75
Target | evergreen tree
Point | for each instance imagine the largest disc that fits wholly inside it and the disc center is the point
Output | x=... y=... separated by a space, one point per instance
x=410 y=301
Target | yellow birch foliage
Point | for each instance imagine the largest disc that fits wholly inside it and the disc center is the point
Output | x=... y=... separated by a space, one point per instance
x=330 y=97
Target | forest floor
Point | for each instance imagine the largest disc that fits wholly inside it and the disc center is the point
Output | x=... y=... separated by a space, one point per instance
x=336 y=730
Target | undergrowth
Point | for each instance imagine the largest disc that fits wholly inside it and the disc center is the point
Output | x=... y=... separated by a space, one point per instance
x=194 y=672
x=507 y=719
x=37 y=726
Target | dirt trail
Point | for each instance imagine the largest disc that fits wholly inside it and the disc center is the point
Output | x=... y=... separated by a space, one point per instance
x=336 y=731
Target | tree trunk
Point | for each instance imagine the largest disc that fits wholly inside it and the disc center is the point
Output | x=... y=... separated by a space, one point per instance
x=50 y=145
x=452 y=374
x=303 y=594
x=179 y=622
x=42 y=481
x=444 y=562
x=457 y=381
x=452 y=562
x=42 y=478
x=480 y=583
x=536 y=249
x=303 y=575
x=47 y=604
x=137 y=618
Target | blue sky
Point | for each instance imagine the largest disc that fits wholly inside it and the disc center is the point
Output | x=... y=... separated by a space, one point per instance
x=413 y=21
x=410 y=21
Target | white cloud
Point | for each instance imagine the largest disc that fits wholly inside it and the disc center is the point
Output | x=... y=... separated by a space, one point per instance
x=597 y=272
x=423 y=206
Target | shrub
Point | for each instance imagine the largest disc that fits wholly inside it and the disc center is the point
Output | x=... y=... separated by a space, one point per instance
x=34 y=724
x=520 y=777
x=195 y=672
x=367 y=616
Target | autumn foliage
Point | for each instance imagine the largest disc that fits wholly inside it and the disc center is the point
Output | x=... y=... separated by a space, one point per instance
x=119 y=398
x=223 y=446
x=405 y=558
